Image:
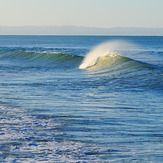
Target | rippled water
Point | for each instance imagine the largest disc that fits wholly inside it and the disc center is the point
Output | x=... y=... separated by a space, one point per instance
x=52 y=109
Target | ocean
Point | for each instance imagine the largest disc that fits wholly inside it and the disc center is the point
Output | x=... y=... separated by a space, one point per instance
x=81 y=99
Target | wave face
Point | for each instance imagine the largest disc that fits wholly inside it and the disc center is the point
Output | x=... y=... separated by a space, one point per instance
x=81 y=99
x=43 y=59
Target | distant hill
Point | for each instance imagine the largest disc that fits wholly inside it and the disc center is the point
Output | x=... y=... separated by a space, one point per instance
x=78 y=30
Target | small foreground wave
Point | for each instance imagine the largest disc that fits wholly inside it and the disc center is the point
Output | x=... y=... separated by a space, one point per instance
x=29 y=138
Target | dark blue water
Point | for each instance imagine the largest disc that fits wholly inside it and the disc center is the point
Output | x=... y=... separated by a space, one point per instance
x=52 y=109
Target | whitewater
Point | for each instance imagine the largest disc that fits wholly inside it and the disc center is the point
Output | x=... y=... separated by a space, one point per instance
x=81 y=99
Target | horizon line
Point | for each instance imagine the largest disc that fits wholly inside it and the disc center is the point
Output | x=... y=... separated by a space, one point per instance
x=80 y=30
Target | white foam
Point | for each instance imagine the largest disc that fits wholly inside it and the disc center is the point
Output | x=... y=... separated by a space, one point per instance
x=27 y=140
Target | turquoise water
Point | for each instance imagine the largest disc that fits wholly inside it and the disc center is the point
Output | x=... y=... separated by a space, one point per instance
x=81 y=99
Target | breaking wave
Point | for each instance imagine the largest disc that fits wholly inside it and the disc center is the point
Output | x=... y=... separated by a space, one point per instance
x=108 y=55
x=102 y=52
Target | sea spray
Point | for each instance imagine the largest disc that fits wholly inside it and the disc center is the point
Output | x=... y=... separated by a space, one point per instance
x=110 y=49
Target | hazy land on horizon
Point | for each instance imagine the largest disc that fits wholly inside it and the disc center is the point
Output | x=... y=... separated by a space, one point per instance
x=78 y=30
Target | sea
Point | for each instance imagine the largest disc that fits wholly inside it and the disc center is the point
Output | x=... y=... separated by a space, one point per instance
x=81 y=99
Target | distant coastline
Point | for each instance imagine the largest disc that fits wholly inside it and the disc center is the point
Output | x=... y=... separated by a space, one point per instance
x=79 y=30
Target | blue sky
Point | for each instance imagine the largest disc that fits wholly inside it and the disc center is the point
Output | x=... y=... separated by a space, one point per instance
x=95 y=13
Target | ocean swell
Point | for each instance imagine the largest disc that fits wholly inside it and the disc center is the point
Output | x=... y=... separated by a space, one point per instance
x=43 y=59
